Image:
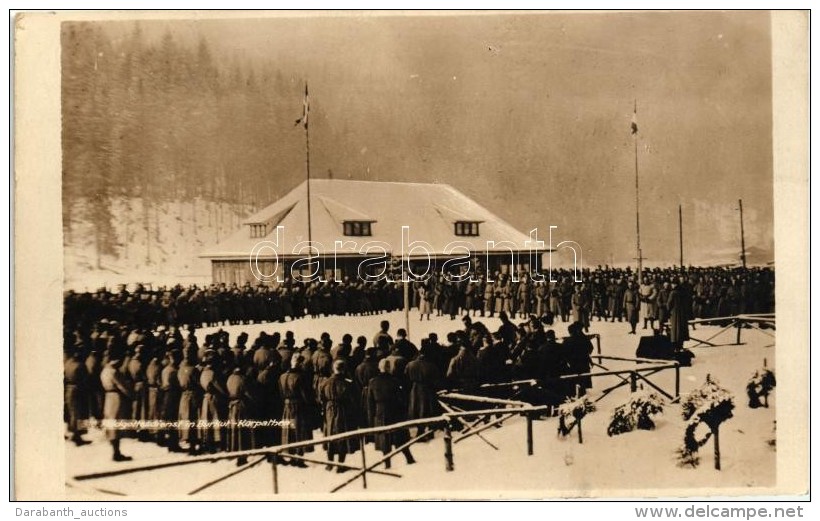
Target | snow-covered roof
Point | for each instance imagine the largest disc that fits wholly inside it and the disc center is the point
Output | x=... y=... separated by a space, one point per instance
x=430 y=210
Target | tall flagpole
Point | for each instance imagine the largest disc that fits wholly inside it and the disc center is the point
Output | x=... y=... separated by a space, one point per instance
x=742 y=236
x=637 y=194
x=680 y=232
x=307 y=165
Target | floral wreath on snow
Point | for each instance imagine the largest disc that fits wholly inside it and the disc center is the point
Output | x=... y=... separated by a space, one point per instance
x=761 y=384
x=710 y=405
x=636 y=413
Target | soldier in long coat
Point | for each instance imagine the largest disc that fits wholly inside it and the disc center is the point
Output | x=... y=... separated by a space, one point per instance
x=502 y=295
x=212 y=411
x=463 y=371
x=169 y=408
x=580 y=306
x=118 y=394
x=469 y=296
x=76 y=383
x=322 y=364
x=365 y=371
x=541 y=298
x=556 y=305
x=139 y=403
x=631 y=302
x=96 y=395
x=425 y=379
x=678 y=315
x=299 y=402
x=341 y=411
x=663 y=305
x=489 y=298
x=649 y=302
x=385 y=407
x=189 y=400
x=577 y=349
x=615 y=300
x=425 y=301
x=524 y=297
x=238 y=436
x=154 y=399
x=269 y=405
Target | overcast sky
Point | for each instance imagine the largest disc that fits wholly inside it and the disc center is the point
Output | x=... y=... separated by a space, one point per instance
x=530 y=115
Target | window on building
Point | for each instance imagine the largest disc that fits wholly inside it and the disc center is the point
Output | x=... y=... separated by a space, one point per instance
x=258 y=230
x=467 y=228
x=357 y=228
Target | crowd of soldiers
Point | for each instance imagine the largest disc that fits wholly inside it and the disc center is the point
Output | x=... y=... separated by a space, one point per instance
x=142 y=372
x=223 y=304
x=603 y=293
x=167 y=387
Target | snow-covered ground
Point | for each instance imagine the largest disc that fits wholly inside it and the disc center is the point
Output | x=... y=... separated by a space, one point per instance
x=641 y=463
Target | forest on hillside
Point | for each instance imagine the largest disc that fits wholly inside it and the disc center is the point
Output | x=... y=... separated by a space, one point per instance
x=155 y=122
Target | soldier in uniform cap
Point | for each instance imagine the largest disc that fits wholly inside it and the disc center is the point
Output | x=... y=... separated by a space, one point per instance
x=404 y=346
x=270 y=402
x=139 y=403
x=338 y=397
x=239 y=437
x=365 y=371
x=385 y=406
x=118 y=394
x=425 y=379
x=154 y=400
x=213 y=408
x=462 y=372
x=384 y=327
x=631 y=302
x=297 y=394
x=188 y=378
x=76 y=396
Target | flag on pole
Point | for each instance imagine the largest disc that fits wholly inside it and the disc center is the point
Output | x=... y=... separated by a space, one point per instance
x=635 y=119
x=305 y=109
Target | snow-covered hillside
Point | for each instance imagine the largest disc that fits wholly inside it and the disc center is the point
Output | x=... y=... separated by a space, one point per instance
x=154 y=243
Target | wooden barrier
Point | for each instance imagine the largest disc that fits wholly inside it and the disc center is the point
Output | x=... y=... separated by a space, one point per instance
x=645 y=368
x=510 y=409
x=738 y=322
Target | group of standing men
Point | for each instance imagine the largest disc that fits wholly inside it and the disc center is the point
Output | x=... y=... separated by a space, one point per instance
x=165 y=387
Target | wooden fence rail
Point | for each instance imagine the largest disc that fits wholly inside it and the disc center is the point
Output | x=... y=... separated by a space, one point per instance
x=737 y=322
x=644 y=368
x=509 y=408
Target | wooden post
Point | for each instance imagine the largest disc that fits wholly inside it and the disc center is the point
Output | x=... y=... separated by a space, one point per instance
x=677 y=380
x=364 y=462
x=529 y=434
x=739 y=323
x=580 y=433
x=633 y=382
x=274 y=468
x=448 y=448
x=715 y=436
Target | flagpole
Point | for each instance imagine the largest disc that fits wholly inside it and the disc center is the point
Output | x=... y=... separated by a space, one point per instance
x=680 y=232
x=307 y=168
x=742 y=236
x=637 y=196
